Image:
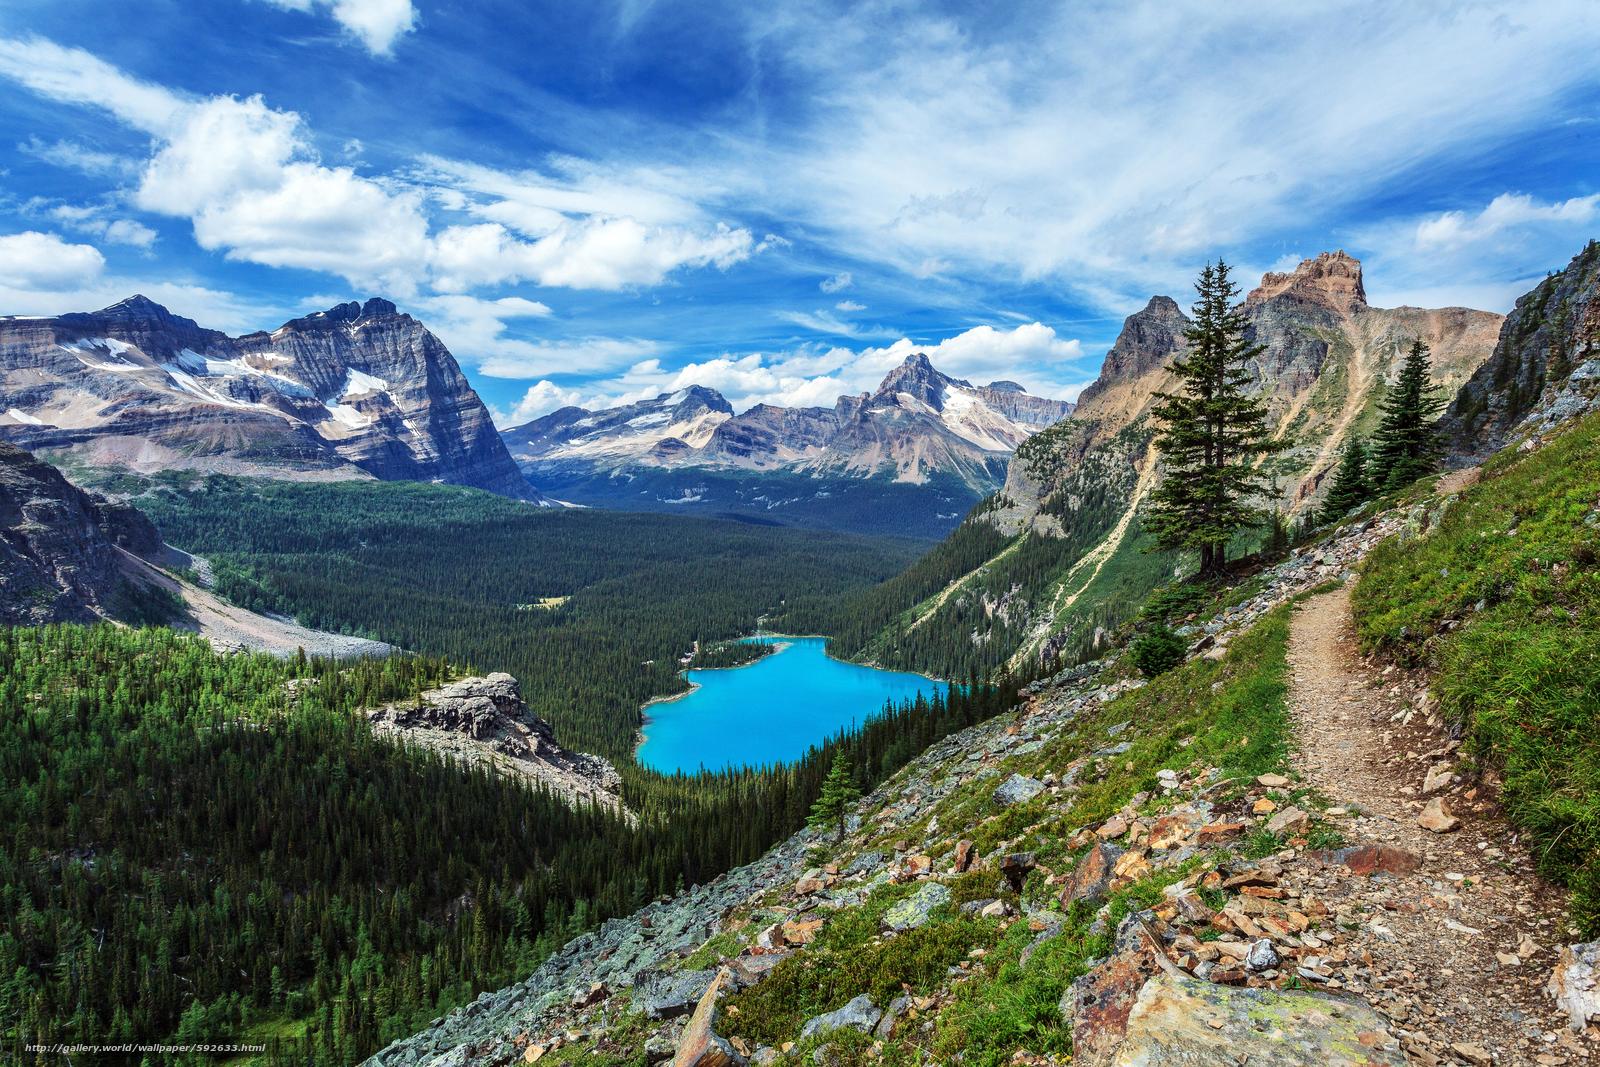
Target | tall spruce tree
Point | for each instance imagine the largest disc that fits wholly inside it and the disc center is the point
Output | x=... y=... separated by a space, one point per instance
x=1350 y=487
x=839 y=792
x=1212 y=433
x=1407 y=445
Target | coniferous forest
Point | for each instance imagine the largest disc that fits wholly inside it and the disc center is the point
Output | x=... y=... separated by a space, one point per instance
x=213 y=846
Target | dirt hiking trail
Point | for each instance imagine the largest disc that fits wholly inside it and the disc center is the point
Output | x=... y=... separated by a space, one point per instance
x=1457 y=938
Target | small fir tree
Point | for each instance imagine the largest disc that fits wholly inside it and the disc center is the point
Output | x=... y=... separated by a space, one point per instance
x=1212 y=433
x=1407 y=444
x=839 y=794
x=1350 y=488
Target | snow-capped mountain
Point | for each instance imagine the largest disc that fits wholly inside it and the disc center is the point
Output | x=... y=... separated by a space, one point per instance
x=358 y=390
x=940 y=439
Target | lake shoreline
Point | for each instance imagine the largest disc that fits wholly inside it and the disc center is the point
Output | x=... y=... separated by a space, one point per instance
x=843 y=685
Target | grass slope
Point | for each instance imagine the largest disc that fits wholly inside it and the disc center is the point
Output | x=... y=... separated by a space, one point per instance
x=1503 y=599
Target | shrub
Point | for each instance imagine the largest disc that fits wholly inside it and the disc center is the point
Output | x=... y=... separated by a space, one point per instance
x=1157 y=651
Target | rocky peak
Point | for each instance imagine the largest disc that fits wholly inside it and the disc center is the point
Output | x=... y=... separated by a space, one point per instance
x=1004 y=386
x=917 y=377
x=140 y=308
x=1148 y=339
x=343 y=314
x=1331 y=280
x=694 y=399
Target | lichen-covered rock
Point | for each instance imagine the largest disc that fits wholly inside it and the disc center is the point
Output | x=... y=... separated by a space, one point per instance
x=1091 y=878
x=700 y=1045
x=1017 y=790
x=914 y=910
x=860 y=1014
x=1178 y=1021
x=663 y=995
x=1575 y=983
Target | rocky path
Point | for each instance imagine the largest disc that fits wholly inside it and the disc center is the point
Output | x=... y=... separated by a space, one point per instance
x=1454 y=935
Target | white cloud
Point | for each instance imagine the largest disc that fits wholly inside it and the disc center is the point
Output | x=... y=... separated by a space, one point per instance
x=1483 y=258
x=92 y=219
x=129 y=232
x=817 y=377
x=829 y=323
x=541 y=398
x=836 y=284
x=849 y=306
x=584 y=356
x=70 y=155
x=376 y=23
x=1112 y=147
x=251 y=182
x=34 y=260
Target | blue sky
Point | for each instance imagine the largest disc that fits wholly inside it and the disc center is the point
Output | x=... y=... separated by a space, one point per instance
x=594 y=202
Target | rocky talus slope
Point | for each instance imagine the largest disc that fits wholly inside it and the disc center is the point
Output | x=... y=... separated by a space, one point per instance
x=485 y=721
x=1118 y=872
x=359 y=390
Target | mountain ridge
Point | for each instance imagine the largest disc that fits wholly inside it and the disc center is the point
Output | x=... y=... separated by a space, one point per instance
x=358 y=390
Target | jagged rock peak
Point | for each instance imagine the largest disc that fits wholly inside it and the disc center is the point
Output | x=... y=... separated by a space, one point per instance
x=138 y=307
x=1333 y=280
x=918 y=377
x=349 y=311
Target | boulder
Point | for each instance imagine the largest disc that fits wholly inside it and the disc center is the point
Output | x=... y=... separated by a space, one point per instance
x=1178 y=1020
x=1575 y=983
x=1437 y=817
x=860 y=1014
x=663 y=995
x=963 y=857
x=1437 y=779
x=700 y=1045
x=1096 y=1006
x=914 y=910
x=1090 y=880
x=1373 y=860
x=1290 y=820
x=1017 y=790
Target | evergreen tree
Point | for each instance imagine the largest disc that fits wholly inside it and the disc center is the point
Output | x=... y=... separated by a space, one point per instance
x=839 y=792
x=1350 y=487
x=1212 y=433
x=1407 y=444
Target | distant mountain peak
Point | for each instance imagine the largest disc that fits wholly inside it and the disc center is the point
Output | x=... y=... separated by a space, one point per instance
x=1007 y=386
x=349 y=311
x=1332 y=279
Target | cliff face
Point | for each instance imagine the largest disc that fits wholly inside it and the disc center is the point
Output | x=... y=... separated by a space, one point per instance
x=360 y=390
x=1544 y=363
x=59 y=558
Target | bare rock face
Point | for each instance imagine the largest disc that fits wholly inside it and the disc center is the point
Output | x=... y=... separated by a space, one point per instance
x=1332 y=280
x=360 y=390
x=484 y=720
x=59 y=546
x=1575 y=984
x=1545 y=368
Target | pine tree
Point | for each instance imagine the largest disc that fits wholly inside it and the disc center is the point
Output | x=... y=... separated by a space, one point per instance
x=1407 y=444
x=1212 y=433
x=839 y=793
x=1350 y=487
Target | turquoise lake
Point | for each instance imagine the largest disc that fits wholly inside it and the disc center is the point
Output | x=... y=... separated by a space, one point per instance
x=769 y=711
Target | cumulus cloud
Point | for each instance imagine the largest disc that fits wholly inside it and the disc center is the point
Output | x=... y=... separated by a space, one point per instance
x=249 y=179
x=542 y=398
x=849 y=306
x=1034 y=354
x=1484 y=257
x=377 y=24
x=34 y=260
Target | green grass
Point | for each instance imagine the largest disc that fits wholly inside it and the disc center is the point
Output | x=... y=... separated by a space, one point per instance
x=1503 y=598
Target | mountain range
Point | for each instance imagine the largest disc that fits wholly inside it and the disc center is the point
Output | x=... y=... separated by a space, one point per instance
x=921 y=438
x=357 y=391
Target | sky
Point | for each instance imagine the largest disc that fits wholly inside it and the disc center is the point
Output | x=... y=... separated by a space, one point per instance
x=598 y=202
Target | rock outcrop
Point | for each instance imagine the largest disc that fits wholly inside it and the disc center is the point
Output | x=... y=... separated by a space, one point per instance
x=61 y=549
x=360 y=390
x=484 y=720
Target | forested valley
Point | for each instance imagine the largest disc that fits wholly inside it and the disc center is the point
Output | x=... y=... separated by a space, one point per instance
x=215 y=847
